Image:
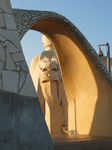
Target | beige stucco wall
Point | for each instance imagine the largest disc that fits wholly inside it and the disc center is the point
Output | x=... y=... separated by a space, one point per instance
x=83 y=82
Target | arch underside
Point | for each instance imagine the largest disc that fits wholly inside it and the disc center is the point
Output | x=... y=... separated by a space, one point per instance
x=25 y=19
x=84 y=74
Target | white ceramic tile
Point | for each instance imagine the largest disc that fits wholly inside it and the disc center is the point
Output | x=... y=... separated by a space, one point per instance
x=22 y=79
x=2 y=22
x=25 y=74
x=18 y=68
x=5 y=6
x=9 y=62
x=12 y=48
x=1 y=67
x=7 y=43
x=28 y=88
x=1 y=10
x=17 y=64
x=0 y=84
x=18 y=57
x=2 y=53
x=10 y=22
x=2 y=38
x=11 y=36
x=24 y=66
x=10 y=81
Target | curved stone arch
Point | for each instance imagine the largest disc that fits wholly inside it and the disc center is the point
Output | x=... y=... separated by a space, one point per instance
x=25 y=19
x=79 y=63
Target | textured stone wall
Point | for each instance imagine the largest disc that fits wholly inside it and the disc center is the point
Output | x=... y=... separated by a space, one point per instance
x=14 y=73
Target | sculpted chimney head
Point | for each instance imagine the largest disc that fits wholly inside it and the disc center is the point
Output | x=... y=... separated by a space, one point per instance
x=47 y=43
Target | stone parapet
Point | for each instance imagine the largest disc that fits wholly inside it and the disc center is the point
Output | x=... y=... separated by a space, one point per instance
x=22 y=125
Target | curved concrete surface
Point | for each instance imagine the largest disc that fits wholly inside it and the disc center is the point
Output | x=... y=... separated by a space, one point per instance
x=86 y=81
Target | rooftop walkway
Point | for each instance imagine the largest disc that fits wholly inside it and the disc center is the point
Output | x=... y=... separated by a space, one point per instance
x=81 y=142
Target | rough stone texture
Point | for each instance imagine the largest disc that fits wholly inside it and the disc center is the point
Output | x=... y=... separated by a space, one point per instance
x=22 y=125
x=26 y=18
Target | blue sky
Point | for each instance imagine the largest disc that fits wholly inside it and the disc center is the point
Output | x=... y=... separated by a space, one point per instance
x=92 y=17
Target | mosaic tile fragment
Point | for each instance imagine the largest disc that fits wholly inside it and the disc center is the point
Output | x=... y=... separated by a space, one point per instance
x=24 y=66
x=2 y=22
x=1 y=67
x=5 y=6
x=2 y=53
x=11 y=36
x=9 y=62
x=0 y=84
x=22 y=79
x=18 y=57
x=12 y=48
x=28 y=88
x=10 y=23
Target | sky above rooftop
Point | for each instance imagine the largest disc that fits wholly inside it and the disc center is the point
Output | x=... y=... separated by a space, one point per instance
x=92 y=17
